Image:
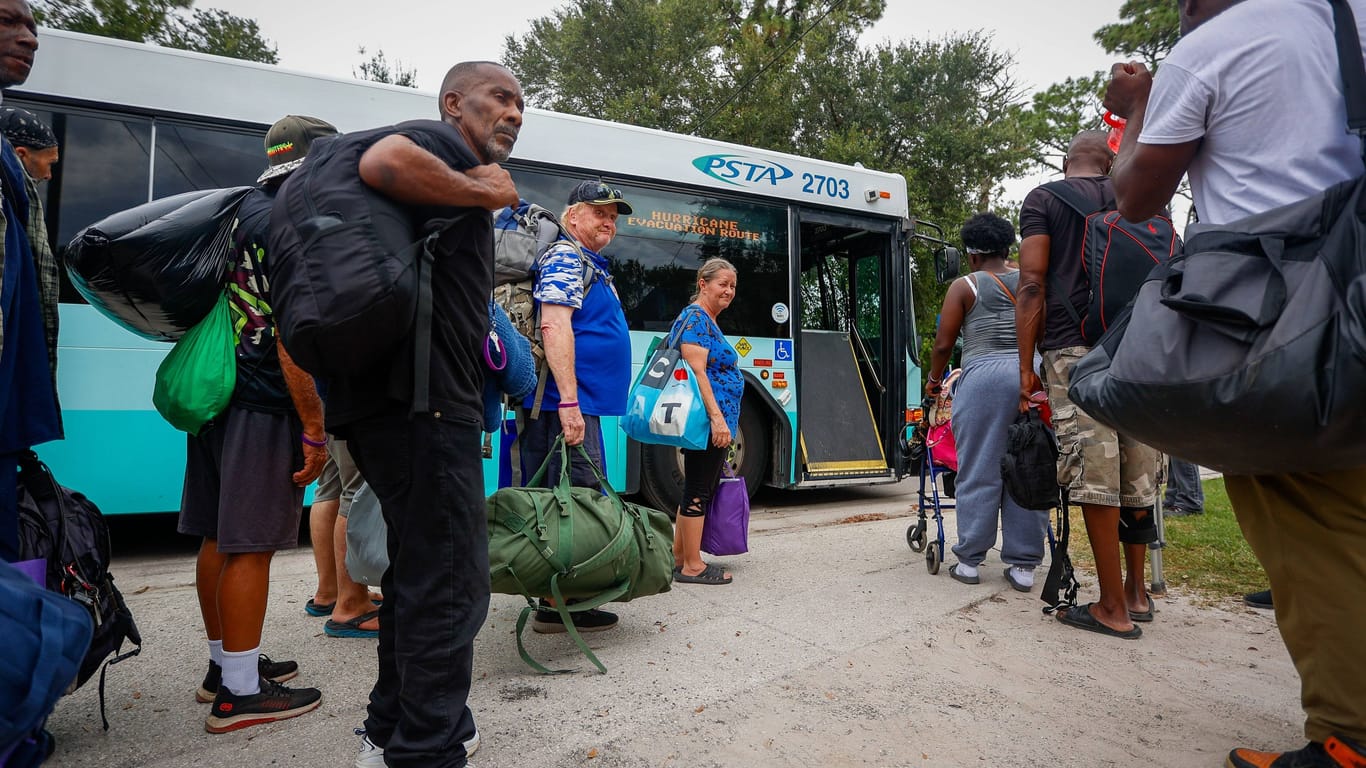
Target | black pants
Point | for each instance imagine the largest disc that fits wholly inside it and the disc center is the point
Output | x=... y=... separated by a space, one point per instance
x=701 y=473
x=429 y=481
x=540 y=435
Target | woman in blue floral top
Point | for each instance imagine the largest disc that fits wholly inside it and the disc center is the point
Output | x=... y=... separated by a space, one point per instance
x=715 y=363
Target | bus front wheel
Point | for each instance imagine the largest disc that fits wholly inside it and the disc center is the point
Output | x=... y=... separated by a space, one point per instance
x=662 y=467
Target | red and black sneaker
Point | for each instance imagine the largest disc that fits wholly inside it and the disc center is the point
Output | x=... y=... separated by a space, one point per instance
x=275 y=671
x=1336 y=752
x=274 y=702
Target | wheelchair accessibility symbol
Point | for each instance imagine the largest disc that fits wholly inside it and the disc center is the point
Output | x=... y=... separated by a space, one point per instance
x=782 y=349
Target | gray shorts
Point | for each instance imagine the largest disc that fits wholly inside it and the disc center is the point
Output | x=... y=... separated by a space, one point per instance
x=340 y=478
x=239 y=488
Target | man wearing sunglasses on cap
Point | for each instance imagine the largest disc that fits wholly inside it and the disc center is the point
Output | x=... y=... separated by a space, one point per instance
x=588 y=351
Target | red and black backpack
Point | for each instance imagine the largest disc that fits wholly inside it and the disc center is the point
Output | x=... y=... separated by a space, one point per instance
x=1117 y=255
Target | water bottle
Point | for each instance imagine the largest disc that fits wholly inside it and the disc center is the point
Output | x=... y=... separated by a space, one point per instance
x=1116 y=130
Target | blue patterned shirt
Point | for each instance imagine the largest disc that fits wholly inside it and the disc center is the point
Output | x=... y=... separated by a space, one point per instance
x=695 y=326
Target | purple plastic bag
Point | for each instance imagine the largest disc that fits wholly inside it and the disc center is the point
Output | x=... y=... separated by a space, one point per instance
x=725 y=531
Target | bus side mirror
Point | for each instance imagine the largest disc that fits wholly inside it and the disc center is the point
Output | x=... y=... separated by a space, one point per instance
x=946 y=264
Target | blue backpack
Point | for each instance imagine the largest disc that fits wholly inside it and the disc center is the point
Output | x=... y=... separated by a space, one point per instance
x=46 y=637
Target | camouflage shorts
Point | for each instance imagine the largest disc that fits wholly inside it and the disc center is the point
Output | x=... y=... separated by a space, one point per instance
x=1099 y=465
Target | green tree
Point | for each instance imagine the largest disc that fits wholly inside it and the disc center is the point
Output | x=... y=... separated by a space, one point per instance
x=377 y=69
x=1147 y=30
x=1061 y=111
x=171 y=23
x=221 y=33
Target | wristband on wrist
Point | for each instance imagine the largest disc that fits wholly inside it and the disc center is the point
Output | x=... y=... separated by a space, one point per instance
x=315 y=443
x=570 y=404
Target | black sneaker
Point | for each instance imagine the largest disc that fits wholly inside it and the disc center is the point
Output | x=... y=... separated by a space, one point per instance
x=548 y=621
x=1259 y=600
x=274 y=671
x=1175 y=511
x=274 y=702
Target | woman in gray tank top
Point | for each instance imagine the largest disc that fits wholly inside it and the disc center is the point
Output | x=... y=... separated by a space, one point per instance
x=985 y=401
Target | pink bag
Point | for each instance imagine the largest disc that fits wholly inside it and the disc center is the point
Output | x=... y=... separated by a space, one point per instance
x=942 y=446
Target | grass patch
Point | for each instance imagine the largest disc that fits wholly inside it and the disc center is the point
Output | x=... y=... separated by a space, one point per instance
x=1205 y=554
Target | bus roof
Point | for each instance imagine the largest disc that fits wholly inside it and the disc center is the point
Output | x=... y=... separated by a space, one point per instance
x=165 y=81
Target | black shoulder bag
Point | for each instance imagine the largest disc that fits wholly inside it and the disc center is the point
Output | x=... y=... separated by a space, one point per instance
x=1249 y=349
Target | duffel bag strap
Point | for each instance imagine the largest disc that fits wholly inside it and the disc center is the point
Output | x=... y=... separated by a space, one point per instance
x=564 y=610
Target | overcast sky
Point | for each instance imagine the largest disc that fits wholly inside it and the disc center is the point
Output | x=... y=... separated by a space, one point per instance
x=322 y=36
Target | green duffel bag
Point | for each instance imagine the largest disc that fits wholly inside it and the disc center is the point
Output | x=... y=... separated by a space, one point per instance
x=194 y=383
x=575 y=543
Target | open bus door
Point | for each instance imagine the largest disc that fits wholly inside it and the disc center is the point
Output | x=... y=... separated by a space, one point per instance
x=851 y=372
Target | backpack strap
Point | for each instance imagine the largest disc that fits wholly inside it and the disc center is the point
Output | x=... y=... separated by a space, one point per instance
x=1083 y=208
x=1074 y=199
x=422 y=328
x=1353 y=67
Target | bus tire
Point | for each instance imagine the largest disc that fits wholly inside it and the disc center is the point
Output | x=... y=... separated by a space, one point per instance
x=661 y=467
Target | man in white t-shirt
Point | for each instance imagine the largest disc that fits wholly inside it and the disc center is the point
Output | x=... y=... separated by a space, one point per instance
x=1250 y=103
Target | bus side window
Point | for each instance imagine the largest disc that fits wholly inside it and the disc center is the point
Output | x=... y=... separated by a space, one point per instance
x=104 y=169
x=194 y=157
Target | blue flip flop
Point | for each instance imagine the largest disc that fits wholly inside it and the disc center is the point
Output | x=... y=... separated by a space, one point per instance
x=318 y=610
x=351 y=627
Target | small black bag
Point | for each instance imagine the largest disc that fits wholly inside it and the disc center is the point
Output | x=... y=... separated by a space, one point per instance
x=1249 y=350
x=1029 y=466
x=68 y=530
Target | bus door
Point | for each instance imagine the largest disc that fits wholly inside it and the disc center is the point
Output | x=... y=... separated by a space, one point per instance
x=848 y=380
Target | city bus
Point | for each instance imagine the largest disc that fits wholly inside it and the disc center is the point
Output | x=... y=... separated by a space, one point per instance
x=823 y=318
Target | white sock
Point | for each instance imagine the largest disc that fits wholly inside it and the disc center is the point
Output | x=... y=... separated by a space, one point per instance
x=965 y=570
x=239 y=672
x=1025 y=576
x=216 y=652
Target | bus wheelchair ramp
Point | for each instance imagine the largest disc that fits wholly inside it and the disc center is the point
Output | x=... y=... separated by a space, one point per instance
x=839 y=435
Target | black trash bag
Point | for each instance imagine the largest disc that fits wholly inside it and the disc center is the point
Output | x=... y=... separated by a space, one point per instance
x=159 y=268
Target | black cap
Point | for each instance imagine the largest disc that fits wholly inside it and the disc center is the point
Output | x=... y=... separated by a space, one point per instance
x=597 y=193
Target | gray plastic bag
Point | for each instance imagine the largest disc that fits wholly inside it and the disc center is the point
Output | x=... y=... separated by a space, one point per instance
x=367 y=539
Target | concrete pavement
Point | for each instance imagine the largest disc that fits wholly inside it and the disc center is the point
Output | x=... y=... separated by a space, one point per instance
x=834 y=646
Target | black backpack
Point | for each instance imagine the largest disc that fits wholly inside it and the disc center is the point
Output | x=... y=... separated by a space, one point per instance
x=1029 y=466
x=68 y=530
x=1117 y=254
x=350 y=275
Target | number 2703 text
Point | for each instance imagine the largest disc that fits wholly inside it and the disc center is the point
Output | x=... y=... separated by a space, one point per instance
x=816 y=184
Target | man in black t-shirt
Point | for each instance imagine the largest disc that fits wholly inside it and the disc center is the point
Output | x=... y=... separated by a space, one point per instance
x=246 y=471
x=425 y=467
x=1112 y=477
